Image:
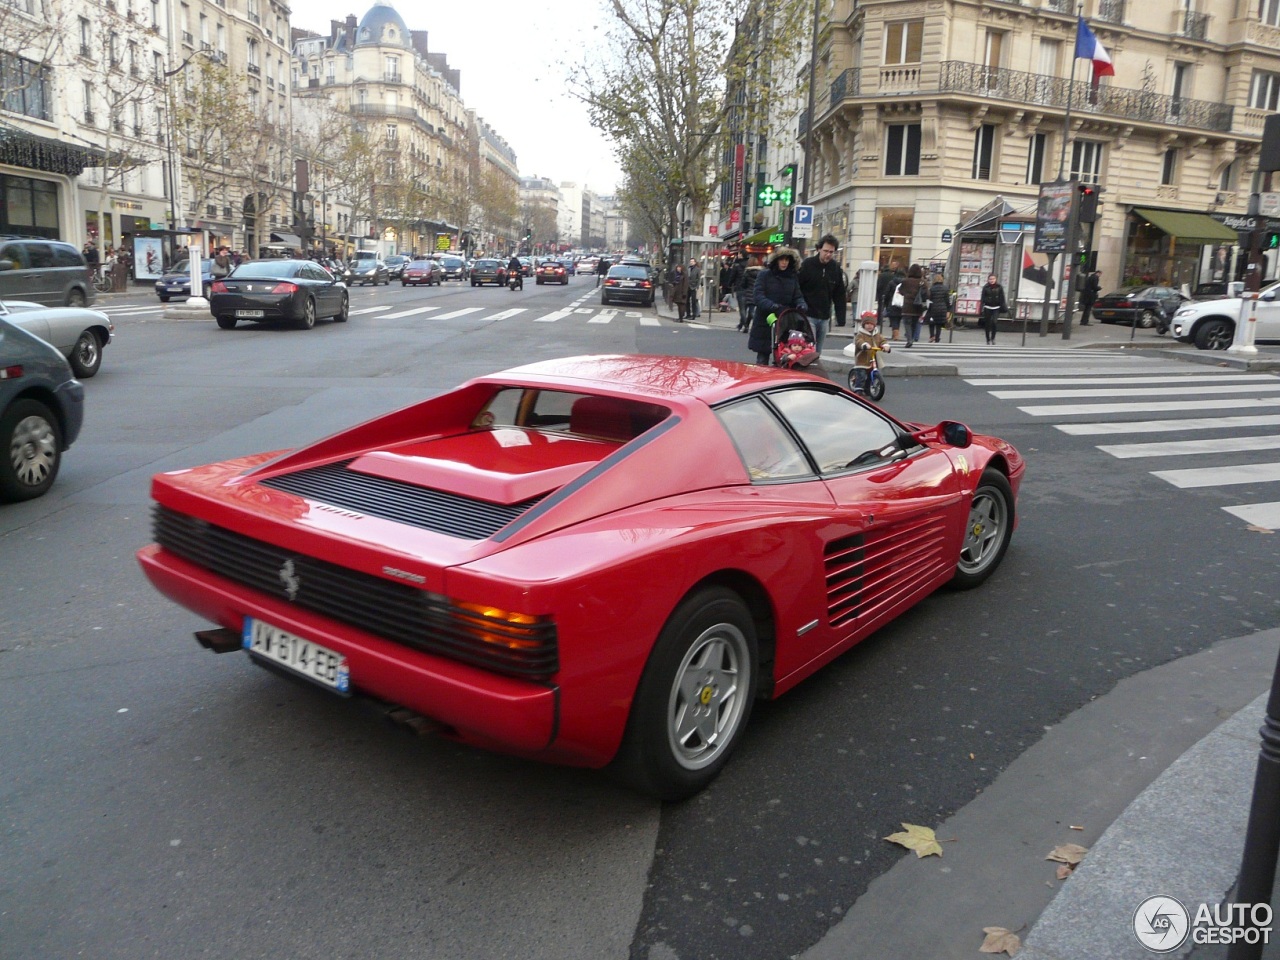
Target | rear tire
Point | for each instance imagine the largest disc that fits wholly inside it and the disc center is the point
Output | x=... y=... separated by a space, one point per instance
x=76 y=298
x=694 y=698
x=30 y=450
x=344 y=312
x=226 y=323
x=1146 y=319
x=308 y=318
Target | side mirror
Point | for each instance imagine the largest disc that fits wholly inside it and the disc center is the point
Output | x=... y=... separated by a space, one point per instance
x=955 y=434
x=6 y=265
x=1270 y=295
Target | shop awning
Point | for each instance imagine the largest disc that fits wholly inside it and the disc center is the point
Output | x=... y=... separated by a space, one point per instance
x=1195 y=227
x=290 y=239
x=762 y=238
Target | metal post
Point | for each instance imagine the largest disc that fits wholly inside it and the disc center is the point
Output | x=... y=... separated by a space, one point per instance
x=1262 y=837
x=1048 y=292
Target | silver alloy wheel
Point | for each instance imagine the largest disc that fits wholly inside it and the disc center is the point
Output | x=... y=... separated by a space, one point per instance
x=33 y=450
x=705 y=707
x=985 y=532
x=86 y=356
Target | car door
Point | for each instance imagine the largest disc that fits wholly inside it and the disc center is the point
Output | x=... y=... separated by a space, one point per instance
x=903 y=501
x=15 y=275
x=1268 y=318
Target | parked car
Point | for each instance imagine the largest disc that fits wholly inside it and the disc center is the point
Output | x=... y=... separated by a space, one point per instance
x=455 y=268
x=1211 y=324
x=395 y=266
x=627 y=283
x=44 y=271
x=488 y=271
x=422 y=272
x=78 y=333
x=551 y=271
x=41 y=411
x=1145 y=303
x=366 y=270
x=296 y=290
x=176 y=282
x=475 y=557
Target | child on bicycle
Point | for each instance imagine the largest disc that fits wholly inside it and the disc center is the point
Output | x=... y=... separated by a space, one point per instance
x=866 y=342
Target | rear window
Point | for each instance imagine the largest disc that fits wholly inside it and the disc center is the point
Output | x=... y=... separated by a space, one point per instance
x=628 y=273
x=582 y=415
x=265 y=268
x=64 y=256
x=41 y=254
x=486 y=263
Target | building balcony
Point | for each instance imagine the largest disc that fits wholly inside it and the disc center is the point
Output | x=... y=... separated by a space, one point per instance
x=1110 y=11
x=1194 y=26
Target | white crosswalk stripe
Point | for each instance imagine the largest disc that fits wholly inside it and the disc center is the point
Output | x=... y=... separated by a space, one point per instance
x=554 y=316
x=366 y=310
x=505 y=314
x=1218 y=447
x=464 y=312
x=416 y=311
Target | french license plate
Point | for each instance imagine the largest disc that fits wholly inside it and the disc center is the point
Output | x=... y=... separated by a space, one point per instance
x=628 y=283
x=249 y=313
x=295 y=654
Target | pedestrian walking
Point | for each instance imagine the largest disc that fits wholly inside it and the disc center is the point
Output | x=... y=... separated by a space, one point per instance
x=993 y=304
x=222 y=263
x=939 y=309
x=1089 y=296
x=776 y=289
x=886 y=289
x=694 y=274
x=915 y=296
x=822 y=286
x=741 y=284
x=680 y=291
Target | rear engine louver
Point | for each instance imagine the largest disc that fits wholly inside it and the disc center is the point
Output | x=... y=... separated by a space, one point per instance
x=868 y=572
x=448 y=513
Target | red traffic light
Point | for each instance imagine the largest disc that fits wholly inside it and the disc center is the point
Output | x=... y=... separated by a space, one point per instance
x=1088 y=209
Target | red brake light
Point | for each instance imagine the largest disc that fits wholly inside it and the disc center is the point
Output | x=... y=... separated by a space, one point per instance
x=217 y=287
x=285 y=288
x=11 y=373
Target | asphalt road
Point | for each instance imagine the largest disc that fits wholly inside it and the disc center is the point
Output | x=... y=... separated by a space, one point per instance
x=160 y=801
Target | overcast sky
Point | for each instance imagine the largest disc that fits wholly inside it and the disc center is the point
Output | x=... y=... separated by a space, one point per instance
x=512 y=57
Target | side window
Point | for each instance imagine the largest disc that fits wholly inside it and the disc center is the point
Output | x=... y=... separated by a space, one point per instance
x=14 y=253
x=841 y=433
x=67 y=257
x=41 y=254
x=767 y=450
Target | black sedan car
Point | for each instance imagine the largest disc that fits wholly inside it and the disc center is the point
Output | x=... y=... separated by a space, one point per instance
x=395 y=266
x=552 y=271
x=296 y=290
x=176 y=281
x=455 y=268
x=1146 y=304
x=367 y=270
x=627 y=283
x=488 y=271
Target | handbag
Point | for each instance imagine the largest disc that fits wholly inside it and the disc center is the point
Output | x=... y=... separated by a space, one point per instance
x=897 y=300
x=922 y=297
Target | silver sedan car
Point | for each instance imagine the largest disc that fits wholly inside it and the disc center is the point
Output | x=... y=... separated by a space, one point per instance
x=78 y=333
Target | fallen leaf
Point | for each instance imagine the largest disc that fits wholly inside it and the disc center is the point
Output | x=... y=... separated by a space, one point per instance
x=920 y=839
x=1254 y=528
x=1074 y=827
x=1000 y=940
x=1065 y=870
x=1071 y=853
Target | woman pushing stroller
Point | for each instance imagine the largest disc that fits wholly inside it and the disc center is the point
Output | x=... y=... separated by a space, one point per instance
x=777 y=289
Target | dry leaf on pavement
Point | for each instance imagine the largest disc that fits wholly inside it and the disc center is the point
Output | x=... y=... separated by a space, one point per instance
x=1000 y=940
x=1071 y=853
x=919 y=839
x=1065 y=870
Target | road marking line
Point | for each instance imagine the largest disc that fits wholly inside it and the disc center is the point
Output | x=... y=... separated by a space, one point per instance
x=650 y=322
x=1153 y=406
x=553 y=317
x=505 y=314
x=465 y=311
x=604 y=316
x=1182 y=448
x=1259 y=514
x=364 y=310
x=416 y=311
x=1119 y=380
x=1167 y=426
x=1134 y=391
x=1221 y=476
x=584 y=310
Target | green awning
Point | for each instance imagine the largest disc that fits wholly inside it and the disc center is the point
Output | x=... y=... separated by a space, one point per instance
x=1195 y=227
x=762 y=238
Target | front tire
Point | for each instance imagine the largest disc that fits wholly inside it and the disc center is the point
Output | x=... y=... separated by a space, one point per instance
x=76 y=298
x=694 y=698
x=987 y=531
x=308 y=318
x=875 y=387
x=1214 y=335
x=164 y=298
x=86 y=355
x=31 y=452
x=1146 y=319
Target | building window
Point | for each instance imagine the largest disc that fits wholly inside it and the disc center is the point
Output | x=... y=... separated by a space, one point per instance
x=157 y=66
x=155 y=13
x=902 y=150
x=328 y=70
x=1169 y=168
x=24 y=86
x=391 y=134
x=393 y=69
x=1269 y=12
x=903 y=41
x=1037 y=144
x=86 y=38
x=984 y=145
x=86 y=90
x=1050 y=57
x=1227 y=182
x=1086 y=161
x=1265 y=91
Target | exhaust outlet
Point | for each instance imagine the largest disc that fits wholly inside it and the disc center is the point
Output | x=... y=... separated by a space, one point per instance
x=220 y=640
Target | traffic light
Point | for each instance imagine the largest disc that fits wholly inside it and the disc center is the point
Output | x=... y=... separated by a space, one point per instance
x=1272 y=241
x=1088 y=203
x=1087 y=260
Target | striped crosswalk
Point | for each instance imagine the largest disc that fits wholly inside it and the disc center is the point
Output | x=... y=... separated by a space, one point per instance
x=1159 y=417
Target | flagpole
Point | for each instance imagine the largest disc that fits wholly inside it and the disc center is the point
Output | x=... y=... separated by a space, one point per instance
x=1071 y=89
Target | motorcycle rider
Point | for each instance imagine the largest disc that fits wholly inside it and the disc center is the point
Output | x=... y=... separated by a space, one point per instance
x=514 y=269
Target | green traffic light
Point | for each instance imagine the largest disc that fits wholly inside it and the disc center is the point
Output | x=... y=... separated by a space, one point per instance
x=1273 y=241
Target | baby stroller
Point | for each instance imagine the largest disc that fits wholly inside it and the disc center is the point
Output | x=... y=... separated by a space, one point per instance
x=794 y=345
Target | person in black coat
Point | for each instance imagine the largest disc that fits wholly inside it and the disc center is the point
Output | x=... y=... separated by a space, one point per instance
x=993 y=303
x=777 y=288
x=1089 y=296
x=939 y=309
x=822 y=285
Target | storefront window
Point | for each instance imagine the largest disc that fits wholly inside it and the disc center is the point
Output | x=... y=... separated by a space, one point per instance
x=1155 y=257
x=896 y=225
x=29 y=207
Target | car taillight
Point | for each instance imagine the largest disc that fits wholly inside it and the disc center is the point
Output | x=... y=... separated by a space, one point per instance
x=217 y=287
x=285 y=288
x=611 y=283
x=11 y=373
x=1124 y=303
x=645 y=283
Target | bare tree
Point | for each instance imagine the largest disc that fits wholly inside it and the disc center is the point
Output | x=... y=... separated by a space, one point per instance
x=212 y=115
x=31 y=44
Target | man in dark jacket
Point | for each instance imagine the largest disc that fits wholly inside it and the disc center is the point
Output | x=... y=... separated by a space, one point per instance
x=993 y=303
x=776 y=289
x=822 y=285
x=1089 y=296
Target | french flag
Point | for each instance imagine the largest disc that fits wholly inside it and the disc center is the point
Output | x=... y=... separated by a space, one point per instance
x=1089 y=47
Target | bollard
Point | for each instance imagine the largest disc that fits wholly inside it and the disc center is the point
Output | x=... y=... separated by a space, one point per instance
x=1262 y=838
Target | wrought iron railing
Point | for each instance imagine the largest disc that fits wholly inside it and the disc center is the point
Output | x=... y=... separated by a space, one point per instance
x=958 y=76
x=1195 y=25
x=846 y=85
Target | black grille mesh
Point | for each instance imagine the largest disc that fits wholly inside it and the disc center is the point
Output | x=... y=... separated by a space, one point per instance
x=448 y=513
x=397 y=612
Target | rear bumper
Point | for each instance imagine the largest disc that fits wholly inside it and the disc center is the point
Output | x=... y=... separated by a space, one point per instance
x=490 y=710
